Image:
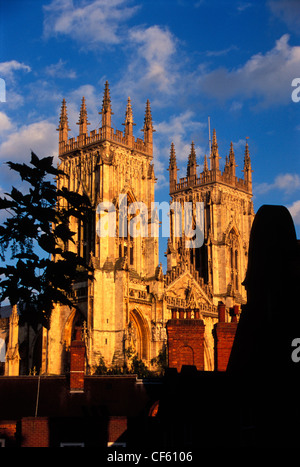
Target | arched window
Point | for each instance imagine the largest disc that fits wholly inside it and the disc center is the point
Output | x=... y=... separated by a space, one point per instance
x=234 y=260
x=126 y=241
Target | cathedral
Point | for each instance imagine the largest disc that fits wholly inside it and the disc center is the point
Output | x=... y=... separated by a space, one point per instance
x=127 y=306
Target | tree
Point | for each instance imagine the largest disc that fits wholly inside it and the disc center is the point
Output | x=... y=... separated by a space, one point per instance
x=161 y=361
x=38 y=221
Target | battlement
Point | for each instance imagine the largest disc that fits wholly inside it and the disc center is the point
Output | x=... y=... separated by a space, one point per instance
x=100 y=135
x=208 y=178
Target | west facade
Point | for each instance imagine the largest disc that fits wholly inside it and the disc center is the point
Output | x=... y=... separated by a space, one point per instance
x=127 y=306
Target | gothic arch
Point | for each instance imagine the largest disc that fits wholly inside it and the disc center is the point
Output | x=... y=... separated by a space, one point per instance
x=185 y=356
x=128 y=191
x=231 y=228
x=139 y=334
x=74 y=318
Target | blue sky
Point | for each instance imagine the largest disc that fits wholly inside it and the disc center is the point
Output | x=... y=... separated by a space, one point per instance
x=231 y=61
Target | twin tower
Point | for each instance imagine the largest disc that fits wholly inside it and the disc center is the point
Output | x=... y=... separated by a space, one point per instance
x=130 y=301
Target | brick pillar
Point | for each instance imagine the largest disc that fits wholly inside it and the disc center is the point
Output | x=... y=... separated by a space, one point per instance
x=185 y=341
x=35 y=432
x=224 y=334
x=77 y=363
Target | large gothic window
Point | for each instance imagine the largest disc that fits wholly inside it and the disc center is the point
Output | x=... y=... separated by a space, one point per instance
x=234 y=260
x=126 y=242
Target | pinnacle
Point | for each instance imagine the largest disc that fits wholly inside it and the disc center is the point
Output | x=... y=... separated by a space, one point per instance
x=192 y=156
x=232 y=156
x=129 y=114
x=172 y=161
x=106 y=102
x=148 y=118
x=148 y=111
x=83 y=113
x=63 y=120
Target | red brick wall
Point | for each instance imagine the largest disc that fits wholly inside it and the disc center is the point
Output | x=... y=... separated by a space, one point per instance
x=35 y=432
x=8 y=432
x=185 y=343
x=77 y=365
x=224 y=334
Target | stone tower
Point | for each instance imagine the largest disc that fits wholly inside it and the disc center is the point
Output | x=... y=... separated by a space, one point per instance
x=117 y=310
x=206 y=272
x=227 y=215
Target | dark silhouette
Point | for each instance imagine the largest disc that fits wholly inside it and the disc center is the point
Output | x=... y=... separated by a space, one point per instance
x=39 y=222
x=271 y=318
x=267 y=379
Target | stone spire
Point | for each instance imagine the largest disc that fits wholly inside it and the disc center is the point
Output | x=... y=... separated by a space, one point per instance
x=214 y=157
x=83 y=119
x=63 y=126
x=106 y=108
x=172 y=167
x=231 y=163
x=192 y=163
x=247 y=168
x=128 y=119
x=148 y=127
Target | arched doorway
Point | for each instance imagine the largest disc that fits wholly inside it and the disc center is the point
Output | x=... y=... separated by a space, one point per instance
x=138 y=335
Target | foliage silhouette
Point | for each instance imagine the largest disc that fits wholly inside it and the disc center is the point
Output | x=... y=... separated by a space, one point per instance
x=39 y=220
x=134 y=365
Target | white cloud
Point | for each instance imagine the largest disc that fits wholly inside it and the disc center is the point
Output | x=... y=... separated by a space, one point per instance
x=92 y=23
x=244 y=6
x=219 y=53
x=153 y=69
x=265 y=76
x=101 y=22
x=5 y=123
x=295 y=211
x=40 y=137
x=8 y=68
x=155 y=48
x=93 y=106
x=180 y=129
x=59 y=70
x=288 y=183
